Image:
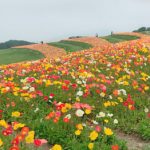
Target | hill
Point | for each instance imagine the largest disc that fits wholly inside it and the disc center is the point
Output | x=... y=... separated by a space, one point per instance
x=13 y=43
x=144 y=30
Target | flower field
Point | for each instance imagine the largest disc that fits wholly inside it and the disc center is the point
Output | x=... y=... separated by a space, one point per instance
x=78 y=102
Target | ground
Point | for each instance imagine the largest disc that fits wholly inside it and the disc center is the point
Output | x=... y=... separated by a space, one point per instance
x=91 y=98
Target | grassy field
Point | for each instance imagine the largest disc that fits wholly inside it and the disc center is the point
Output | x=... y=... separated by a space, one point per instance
x=119 y=38
x=12 y=55
x=71 y=46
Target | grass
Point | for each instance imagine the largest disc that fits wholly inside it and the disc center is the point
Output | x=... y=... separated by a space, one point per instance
x=71 y=46
x=119 y=38
x=14 y=55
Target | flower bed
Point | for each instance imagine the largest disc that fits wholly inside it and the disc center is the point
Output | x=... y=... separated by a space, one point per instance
x=77 y=102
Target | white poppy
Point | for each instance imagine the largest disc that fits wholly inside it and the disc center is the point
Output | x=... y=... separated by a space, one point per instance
x=115 y=121
x=110 y=115
x=79 y=93
x=146 y=110
x=79 y=113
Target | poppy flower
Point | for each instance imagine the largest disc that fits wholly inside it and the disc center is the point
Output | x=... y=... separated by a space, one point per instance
x=115 y=147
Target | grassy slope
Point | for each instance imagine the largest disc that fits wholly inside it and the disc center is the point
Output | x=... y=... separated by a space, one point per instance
x=13 y=55
x=71 y=46
x=119 y=38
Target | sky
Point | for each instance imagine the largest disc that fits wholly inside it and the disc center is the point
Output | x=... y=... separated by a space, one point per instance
x=50 y=20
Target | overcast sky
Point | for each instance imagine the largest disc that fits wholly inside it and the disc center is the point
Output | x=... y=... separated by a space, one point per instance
x=48 y=20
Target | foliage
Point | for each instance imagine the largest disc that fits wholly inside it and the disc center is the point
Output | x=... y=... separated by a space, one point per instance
x=13 y=43
x=144 y=30
x=144 y=129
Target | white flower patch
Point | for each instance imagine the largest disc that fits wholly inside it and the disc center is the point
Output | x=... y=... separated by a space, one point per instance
x=109 y=65
x=79 y=93
x=23 y=81
x=32 y=89
x=24 y=71
x=115 y=121
x=79 y=113
x=84 y=125
x=146 y=110
x=7 y=88
x=84 y=82
x=127 y=71
x=44 y=80
x=110 y=115
x=101 y=115
x=102 y=94
x=79 y=82
x=68 y=116
x=110 y=97
x=25 y=87
x=95 y=122
x=36 y=110
x=122 y=91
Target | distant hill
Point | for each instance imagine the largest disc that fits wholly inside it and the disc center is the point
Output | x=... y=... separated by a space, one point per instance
x=72 y=37
x=13 y=43
x=144 y=30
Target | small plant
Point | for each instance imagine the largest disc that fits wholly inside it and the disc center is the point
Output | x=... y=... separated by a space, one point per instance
x=144 y=129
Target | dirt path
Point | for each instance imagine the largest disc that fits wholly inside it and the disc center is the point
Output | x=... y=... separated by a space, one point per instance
x=94 y=41
x=134 y=142
x=50 y=52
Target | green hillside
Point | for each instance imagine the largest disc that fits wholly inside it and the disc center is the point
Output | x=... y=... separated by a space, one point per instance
x=14 y=55
x=71 y=46
x=116 y=38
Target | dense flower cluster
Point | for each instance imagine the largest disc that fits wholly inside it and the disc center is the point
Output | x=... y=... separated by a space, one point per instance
x=87 y=94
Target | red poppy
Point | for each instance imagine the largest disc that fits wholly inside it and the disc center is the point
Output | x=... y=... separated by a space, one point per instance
x=66 y=120
x=115 y=147
x=15 y=141
x=51 y=95
x=98 y=128
x=46 y=98
x=37 y=142
x=14 y=148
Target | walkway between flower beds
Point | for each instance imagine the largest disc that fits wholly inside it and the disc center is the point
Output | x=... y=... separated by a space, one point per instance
x=94 y=41
x=50 y=52
x=133 y=141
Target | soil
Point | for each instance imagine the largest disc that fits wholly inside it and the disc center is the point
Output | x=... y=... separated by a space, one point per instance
x=134 y=142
